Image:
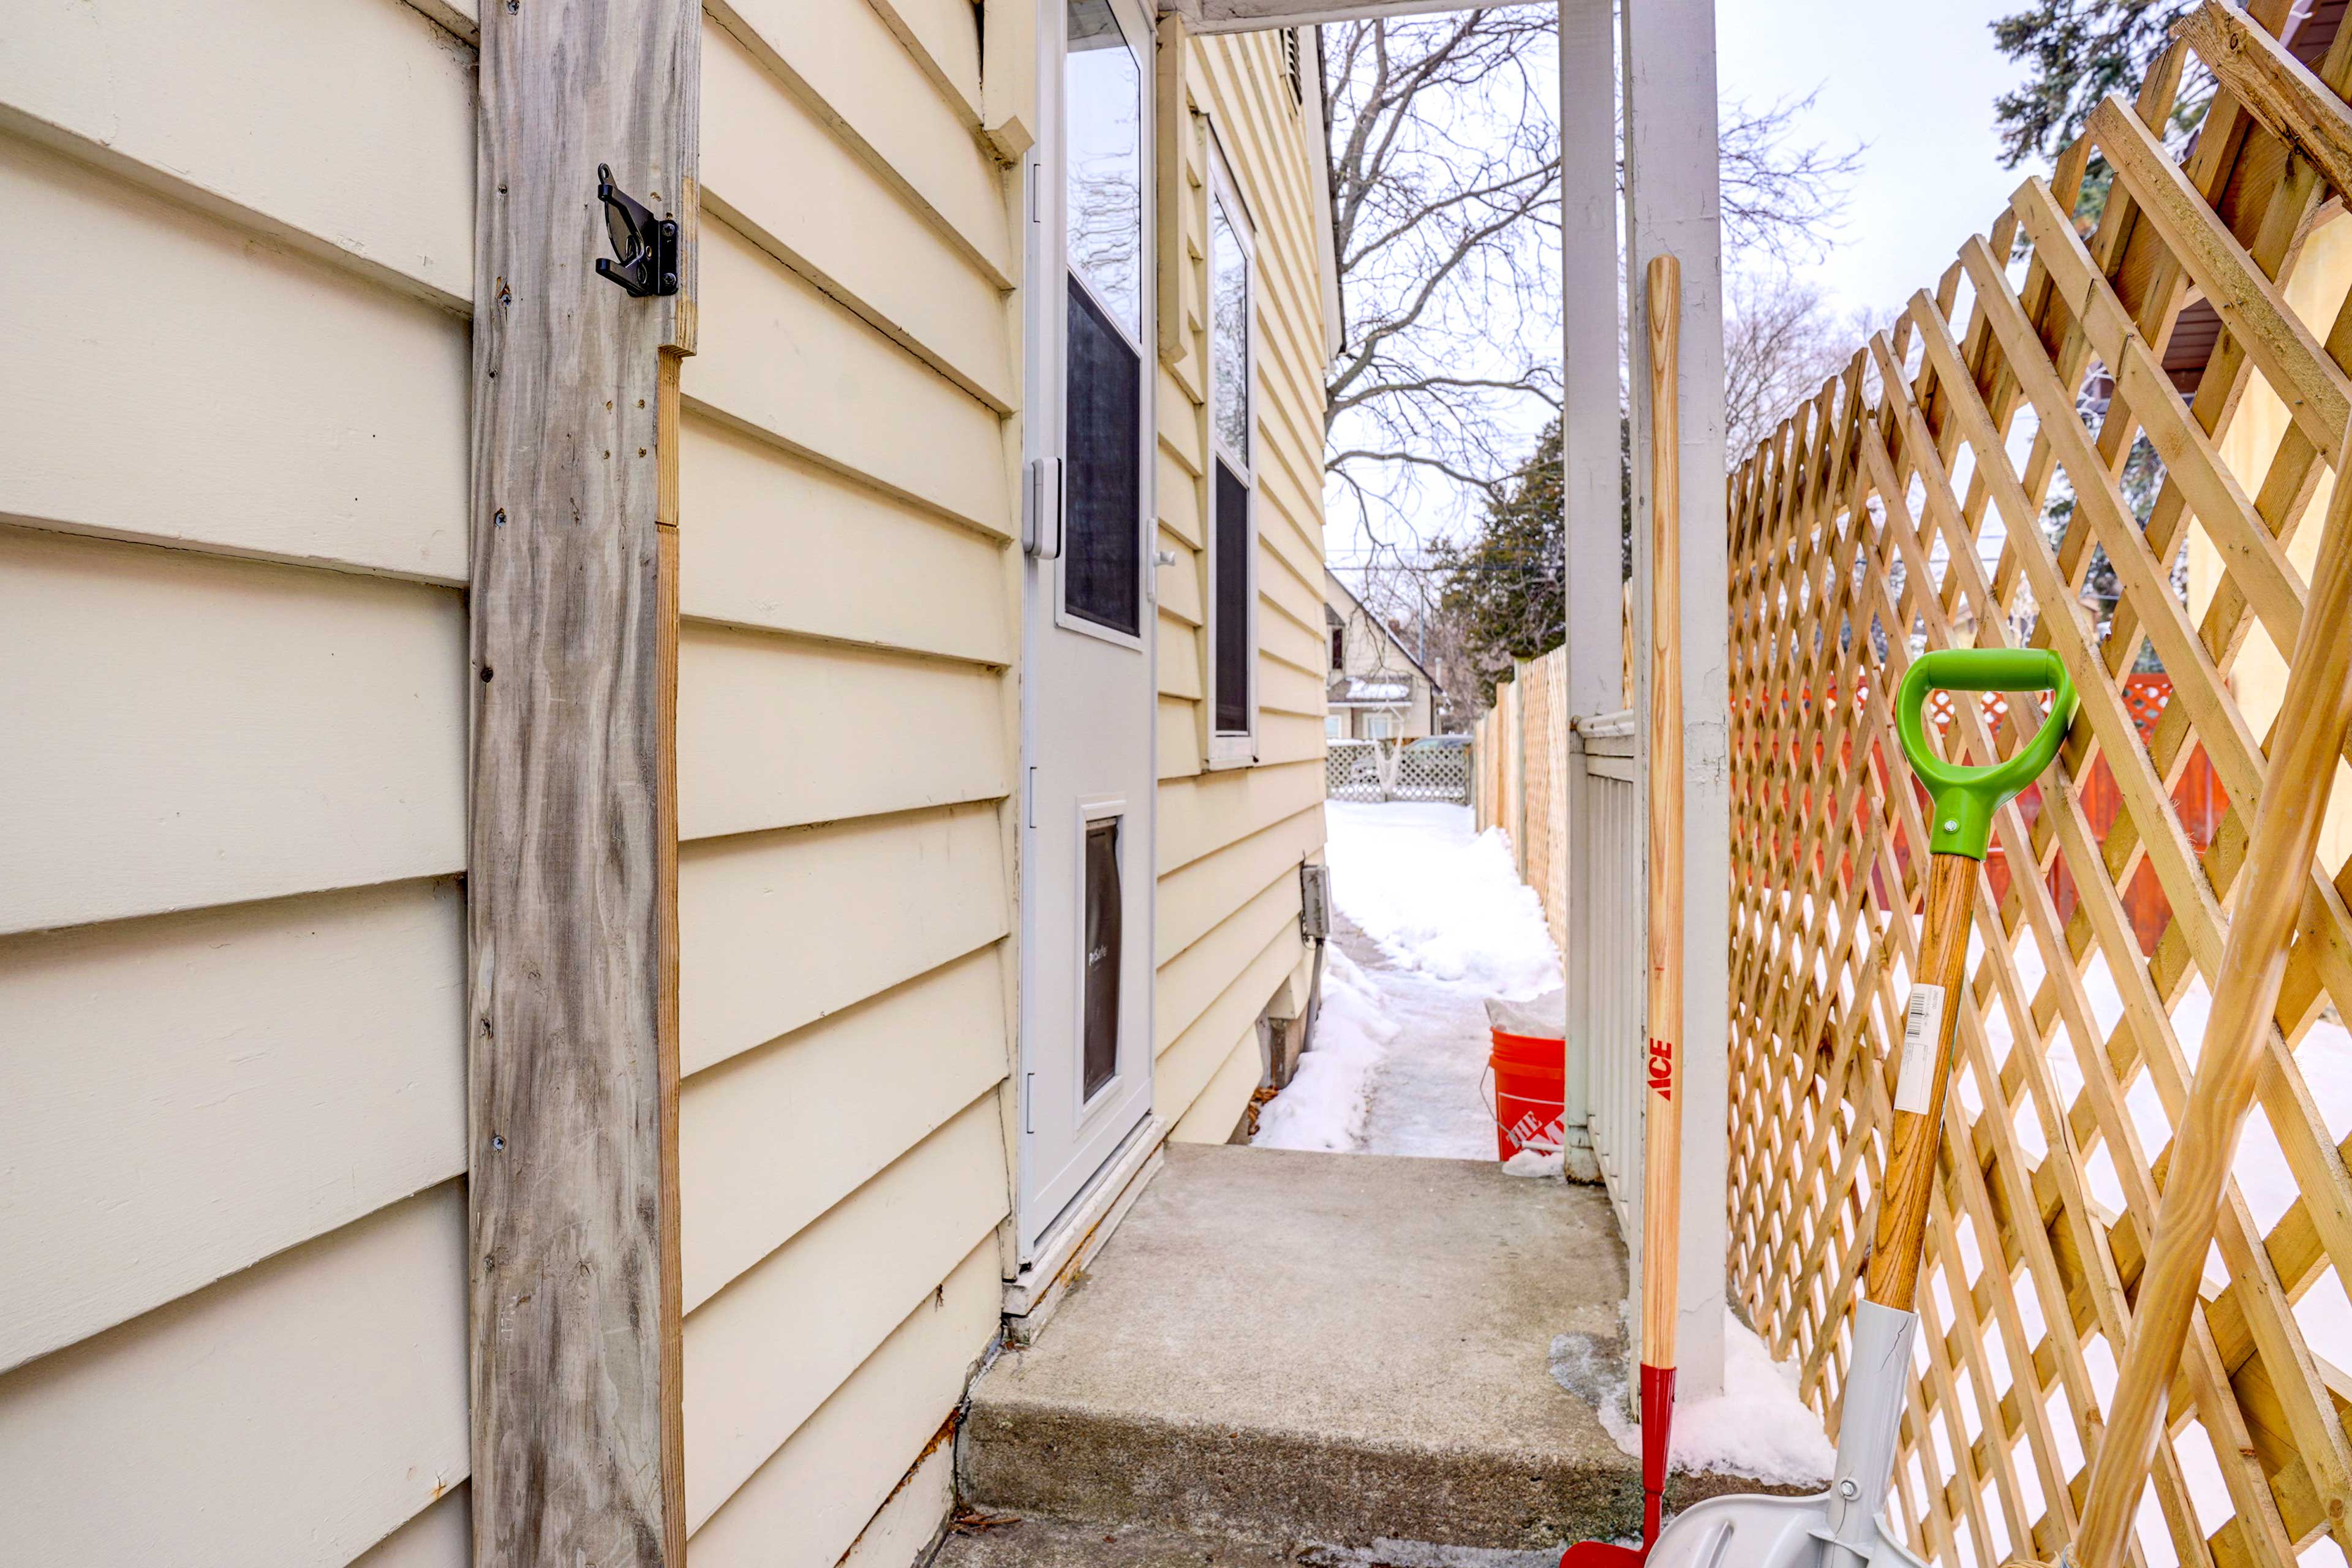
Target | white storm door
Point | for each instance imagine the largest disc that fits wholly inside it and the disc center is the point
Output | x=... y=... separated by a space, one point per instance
x=1087 y=698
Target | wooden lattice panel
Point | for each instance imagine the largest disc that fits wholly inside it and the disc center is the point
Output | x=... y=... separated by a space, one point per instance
x=1910 y=505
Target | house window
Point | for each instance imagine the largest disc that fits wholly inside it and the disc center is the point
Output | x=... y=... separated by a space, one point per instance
x=1339 y=649
x=1383 y=726
x=1233 y=531
x=1335 y=726
x=1102 y=86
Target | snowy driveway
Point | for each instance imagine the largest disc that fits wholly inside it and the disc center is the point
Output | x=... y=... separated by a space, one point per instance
x=1432 y=919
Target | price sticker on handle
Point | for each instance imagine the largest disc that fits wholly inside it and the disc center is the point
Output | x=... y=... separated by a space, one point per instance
x=1923 y=1029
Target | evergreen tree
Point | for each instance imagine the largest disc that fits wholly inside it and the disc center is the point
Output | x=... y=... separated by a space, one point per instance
x=2077 y=52
x=1503 y=587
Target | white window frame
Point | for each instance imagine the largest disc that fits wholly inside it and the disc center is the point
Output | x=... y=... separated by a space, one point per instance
x=1231 y=749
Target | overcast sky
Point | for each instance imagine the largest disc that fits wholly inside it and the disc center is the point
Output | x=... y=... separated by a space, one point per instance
x=1915 y=80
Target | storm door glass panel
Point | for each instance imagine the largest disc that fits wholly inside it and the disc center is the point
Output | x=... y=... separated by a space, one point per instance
x=1102 y=93
x=1102 y=955
x=1102 y=576
x=1232 y=589
x=1102 y=564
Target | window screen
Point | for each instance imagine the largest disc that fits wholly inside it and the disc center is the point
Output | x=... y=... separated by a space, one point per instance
x=1232 y=589
x=1102 y=955
x=1102 y=578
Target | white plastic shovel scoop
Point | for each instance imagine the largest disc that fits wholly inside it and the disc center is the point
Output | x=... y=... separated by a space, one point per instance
x=1843 y=1527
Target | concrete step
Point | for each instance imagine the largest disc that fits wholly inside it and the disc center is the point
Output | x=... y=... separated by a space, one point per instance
x=1008 y=1542
x=1333 y=1349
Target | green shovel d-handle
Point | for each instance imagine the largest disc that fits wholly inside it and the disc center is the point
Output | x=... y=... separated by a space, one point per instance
x=1965 y=798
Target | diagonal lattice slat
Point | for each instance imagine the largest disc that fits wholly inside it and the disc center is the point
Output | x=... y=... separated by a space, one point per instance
x=2015 y=439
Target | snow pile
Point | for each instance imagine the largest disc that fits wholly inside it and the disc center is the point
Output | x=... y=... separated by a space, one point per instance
x=1756 y=1427
x=1325 y=1105
x=1438 y=897
x=1534 y=1163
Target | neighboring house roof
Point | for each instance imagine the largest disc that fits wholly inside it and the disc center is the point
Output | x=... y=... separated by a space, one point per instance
x=2199 y=325
x=1374 y=621
x=1355 y=691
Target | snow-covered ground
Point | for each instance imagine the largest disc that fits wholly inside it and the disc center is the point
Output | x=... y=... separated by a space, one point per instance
x=1756 y=1426
x=1439 y=898
x=1435 y=921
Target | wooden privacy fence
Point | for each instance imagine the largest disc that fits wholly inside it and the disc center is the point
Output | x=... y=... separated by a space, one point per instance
x=1520 y=750
x=1909 y=505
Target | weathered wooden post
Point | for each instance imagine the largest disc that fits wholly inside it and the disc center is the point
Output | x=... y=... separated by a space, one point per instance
x=572 y=859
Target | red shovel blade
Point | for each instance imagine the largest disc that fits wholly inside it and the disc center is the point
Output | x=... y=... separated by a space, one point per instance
x=1657 y=1424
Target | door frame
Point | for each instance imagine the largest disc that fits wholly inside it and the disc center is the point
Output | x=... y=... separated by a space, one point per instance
x=1043 y=404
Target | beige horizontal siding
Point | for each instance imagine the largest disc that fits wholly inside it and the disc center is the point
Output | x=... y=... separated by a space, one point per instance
x=1201 y=815
x=1219 y=1103
x=181 y=1096
x=440 y=1537
x=185 y=730
x=780 y=177
x=847 y=724
x=783 y=358
x=942 y=37
x=1191 y=1060
x=775 y=731
x=1230 y=840
x=918 y=1507
x=842 y=59
x=773 y=1138
x=345 y=129
x=777 y=930
x=294 y=1415
x=232 y=544
x=778 y=543
x=195 y=388
x=765 y=1353
x=806 y=1506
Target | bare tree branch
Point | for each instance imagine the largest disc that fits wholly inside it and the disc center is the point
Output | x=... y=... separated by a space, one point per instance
x=1446 y=216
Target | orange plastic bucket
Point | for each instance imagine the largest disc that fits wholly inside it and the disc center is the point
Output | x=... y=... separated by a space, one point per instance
x=1530 y=1093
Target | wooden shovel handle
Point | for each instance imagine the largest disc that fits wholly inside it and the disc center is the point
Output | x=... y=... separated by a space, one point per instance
x=1662 y=1119
x=1924 y=1053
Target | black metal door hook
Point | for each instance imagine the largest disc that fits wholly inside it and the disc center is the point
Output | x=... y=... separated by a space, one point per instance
x=647 y=246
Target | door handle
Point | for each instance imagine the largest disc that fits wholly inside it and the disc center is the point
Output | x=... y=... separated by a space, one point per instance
x=1044 y=520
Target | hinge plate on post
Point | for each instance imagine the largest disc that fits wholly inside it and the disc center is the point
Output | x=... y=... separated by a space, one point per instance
x=644 y=248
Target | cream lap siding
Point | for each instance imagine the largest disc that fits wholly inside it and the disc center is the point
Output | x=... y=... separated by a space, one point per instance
x=232 y=553
x=846 y=741
x=1231 y=840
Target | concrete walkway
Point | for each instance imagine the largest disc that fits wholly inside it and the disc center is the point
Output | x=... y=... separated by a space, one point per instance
x=1430 y=1095
x=1320 y=1348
